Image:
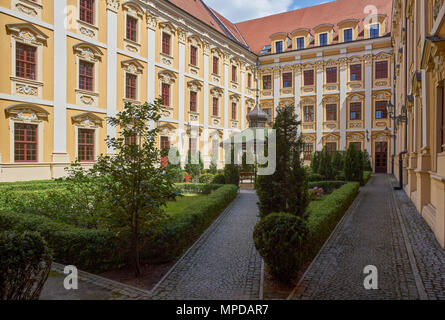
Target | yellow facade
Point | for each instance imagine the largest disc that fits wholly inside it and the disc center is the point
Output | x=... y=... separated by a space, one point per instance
x=418 y=33
x=51 y=103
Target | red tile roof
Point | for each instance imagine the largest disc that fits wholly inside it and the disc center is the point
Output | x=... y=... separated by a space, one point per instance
x=257 y=31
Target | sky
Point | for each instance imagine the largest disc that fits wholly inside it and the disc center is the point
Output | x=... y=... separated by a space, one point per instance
x=241 y=10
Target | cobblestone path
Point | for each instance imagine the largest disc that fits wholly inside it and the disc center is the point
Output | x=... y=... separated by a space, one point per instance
x=384 y=229
x=223 y=264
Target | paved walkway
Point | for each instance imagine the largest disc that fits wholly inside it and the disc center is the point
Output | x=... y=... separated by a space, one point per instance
x=223 y=264
x=384 y=229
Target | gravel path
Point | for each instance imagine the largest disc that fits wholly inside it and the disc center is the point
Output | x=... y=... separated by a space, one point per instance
x=223 y=264
x=382 y=228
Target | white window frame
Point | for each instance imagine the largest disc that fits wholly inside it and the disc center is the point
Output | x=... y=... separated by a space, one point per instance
x=296 y=43
x=352 y=34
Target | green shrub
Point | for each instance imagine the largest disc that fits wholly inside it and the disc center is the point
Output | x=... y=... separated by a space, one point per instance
x=231 y=174
x=324 y=215
x=279 y=239
x=315 y=177
x=327 y=186
x=169 y=239
x=326 y=169
x=90 y=250
x=219 y=179
x=25 y=262
x=353 y=164
x=366 y=177
x=315 y=161
x=194 y=165
x=206 y=178
x=367 y=165
x=196 y=187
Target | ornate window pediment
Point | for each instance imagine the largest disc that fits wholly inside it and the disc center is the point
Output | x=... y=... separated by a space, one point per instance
x=195 y=40
x=309 y=139
x=216 y=92
x=355 y=97
x=133 y=7
x=194 y=85
x=27 y=112
x=355 y=136
x=331 y=99
x=307 y=101
x=167 y=26
x=167 y=76
x=87 y=120
x=132 y=66
x=382 y=95
x=27 y=33
x=382 y=56
x=331 y=137
x=355 y=59
x=235 y=97
x=88 y=51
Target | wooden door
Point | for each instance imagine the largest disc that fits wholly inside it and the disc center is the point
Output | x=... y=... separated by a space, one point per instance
x=381 y=157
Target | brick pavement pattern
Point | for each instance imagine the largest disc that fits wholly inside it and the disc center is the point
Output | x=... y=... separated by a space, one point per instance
x=384 y=229
x=223 y=264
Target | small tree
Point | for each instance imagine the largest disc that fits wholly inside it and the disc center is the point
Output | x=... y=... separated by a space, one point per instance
x=132 y=180
x=232 y=170
x=367 y=165
x=326 y=168
x=286 y=190
x=213 y=168
x=337 y=161
x=315 y=161
x=194 y=165
x=174 y=170
x=353 y=165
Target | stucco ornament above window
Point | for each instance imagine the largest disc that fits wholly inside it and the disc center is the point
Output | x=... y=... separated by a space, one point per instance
x=113 y=5
x=27 y=32
x=27 y=112
x=167 y=76
x=132 y=66
x=88 y=51
x=87 y=120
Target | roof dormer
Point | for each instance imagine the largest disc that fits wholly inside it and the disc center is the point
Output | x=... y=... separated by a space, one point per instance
x=279 y=42
x=324 y=34
x=375 y=26
x=301 y=38
x=348 y=30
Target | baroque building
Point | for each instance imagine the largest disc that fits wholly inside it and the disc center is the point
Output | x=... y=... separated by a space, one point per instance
x=72 y=63
x=418 y=35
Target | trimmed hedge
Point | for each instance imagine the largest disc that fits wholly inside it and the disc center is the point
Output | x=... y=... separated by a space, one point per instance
x=170 y=239
x=324 y=215
x=197 y=187
x=366 y=177
x=100 y=250
x=90 y=250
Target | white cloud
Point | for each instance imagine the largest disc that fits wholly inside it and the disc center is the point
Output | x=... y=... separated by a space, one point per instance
x=241 y=10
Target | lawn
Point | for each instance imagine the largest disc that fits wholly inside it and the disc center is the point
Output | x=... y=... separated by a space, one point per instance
x=175 y=207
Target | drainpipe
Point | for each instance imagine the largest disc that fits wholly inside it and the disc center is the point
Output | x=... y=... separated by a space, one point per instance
x=406 y=100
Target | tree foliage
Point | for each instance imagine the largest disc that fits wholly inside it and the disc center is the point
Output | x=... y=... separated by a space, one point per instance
x=286 y=190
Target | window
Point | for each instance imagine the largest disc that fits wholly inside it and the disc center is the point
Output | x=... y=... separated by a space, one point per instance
x=374 y=31
x=308 y=113
x=193 y=98
x=215 y=149
x=233 y=111
x=25 y=142
x=165 y=143
x=331 y=75
x=215 y=65
x=308 y=76
x=87 y=11
x=381 y=70
x=215 y=111
x=308 y=148
x=331 y=112
x=331 y=146
x=130 y=86
x=192 y=145
x=166 y=94
x=380 y=110
x=86 y=78
x=166 y=43
x=249 y=80
x=355 y=112
x=234 y=75
x=323 y=39
x=356 y=145
x=300 y=43
x=25 y=65
x=287 y=80
x=355 y=71
x=278 y=46
x=347 y=35
x=131 y=140
x=193 y=56
x=132 y=25
x=85 y=145
x=267 y=82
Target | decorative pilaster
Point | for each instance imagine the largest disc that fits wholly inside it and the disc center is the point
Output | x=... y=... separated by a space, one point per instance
x=319 y=66
x=368 y=99
x=152 y=23
x=206 y=51
x=112 y=8
x=343 y=106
